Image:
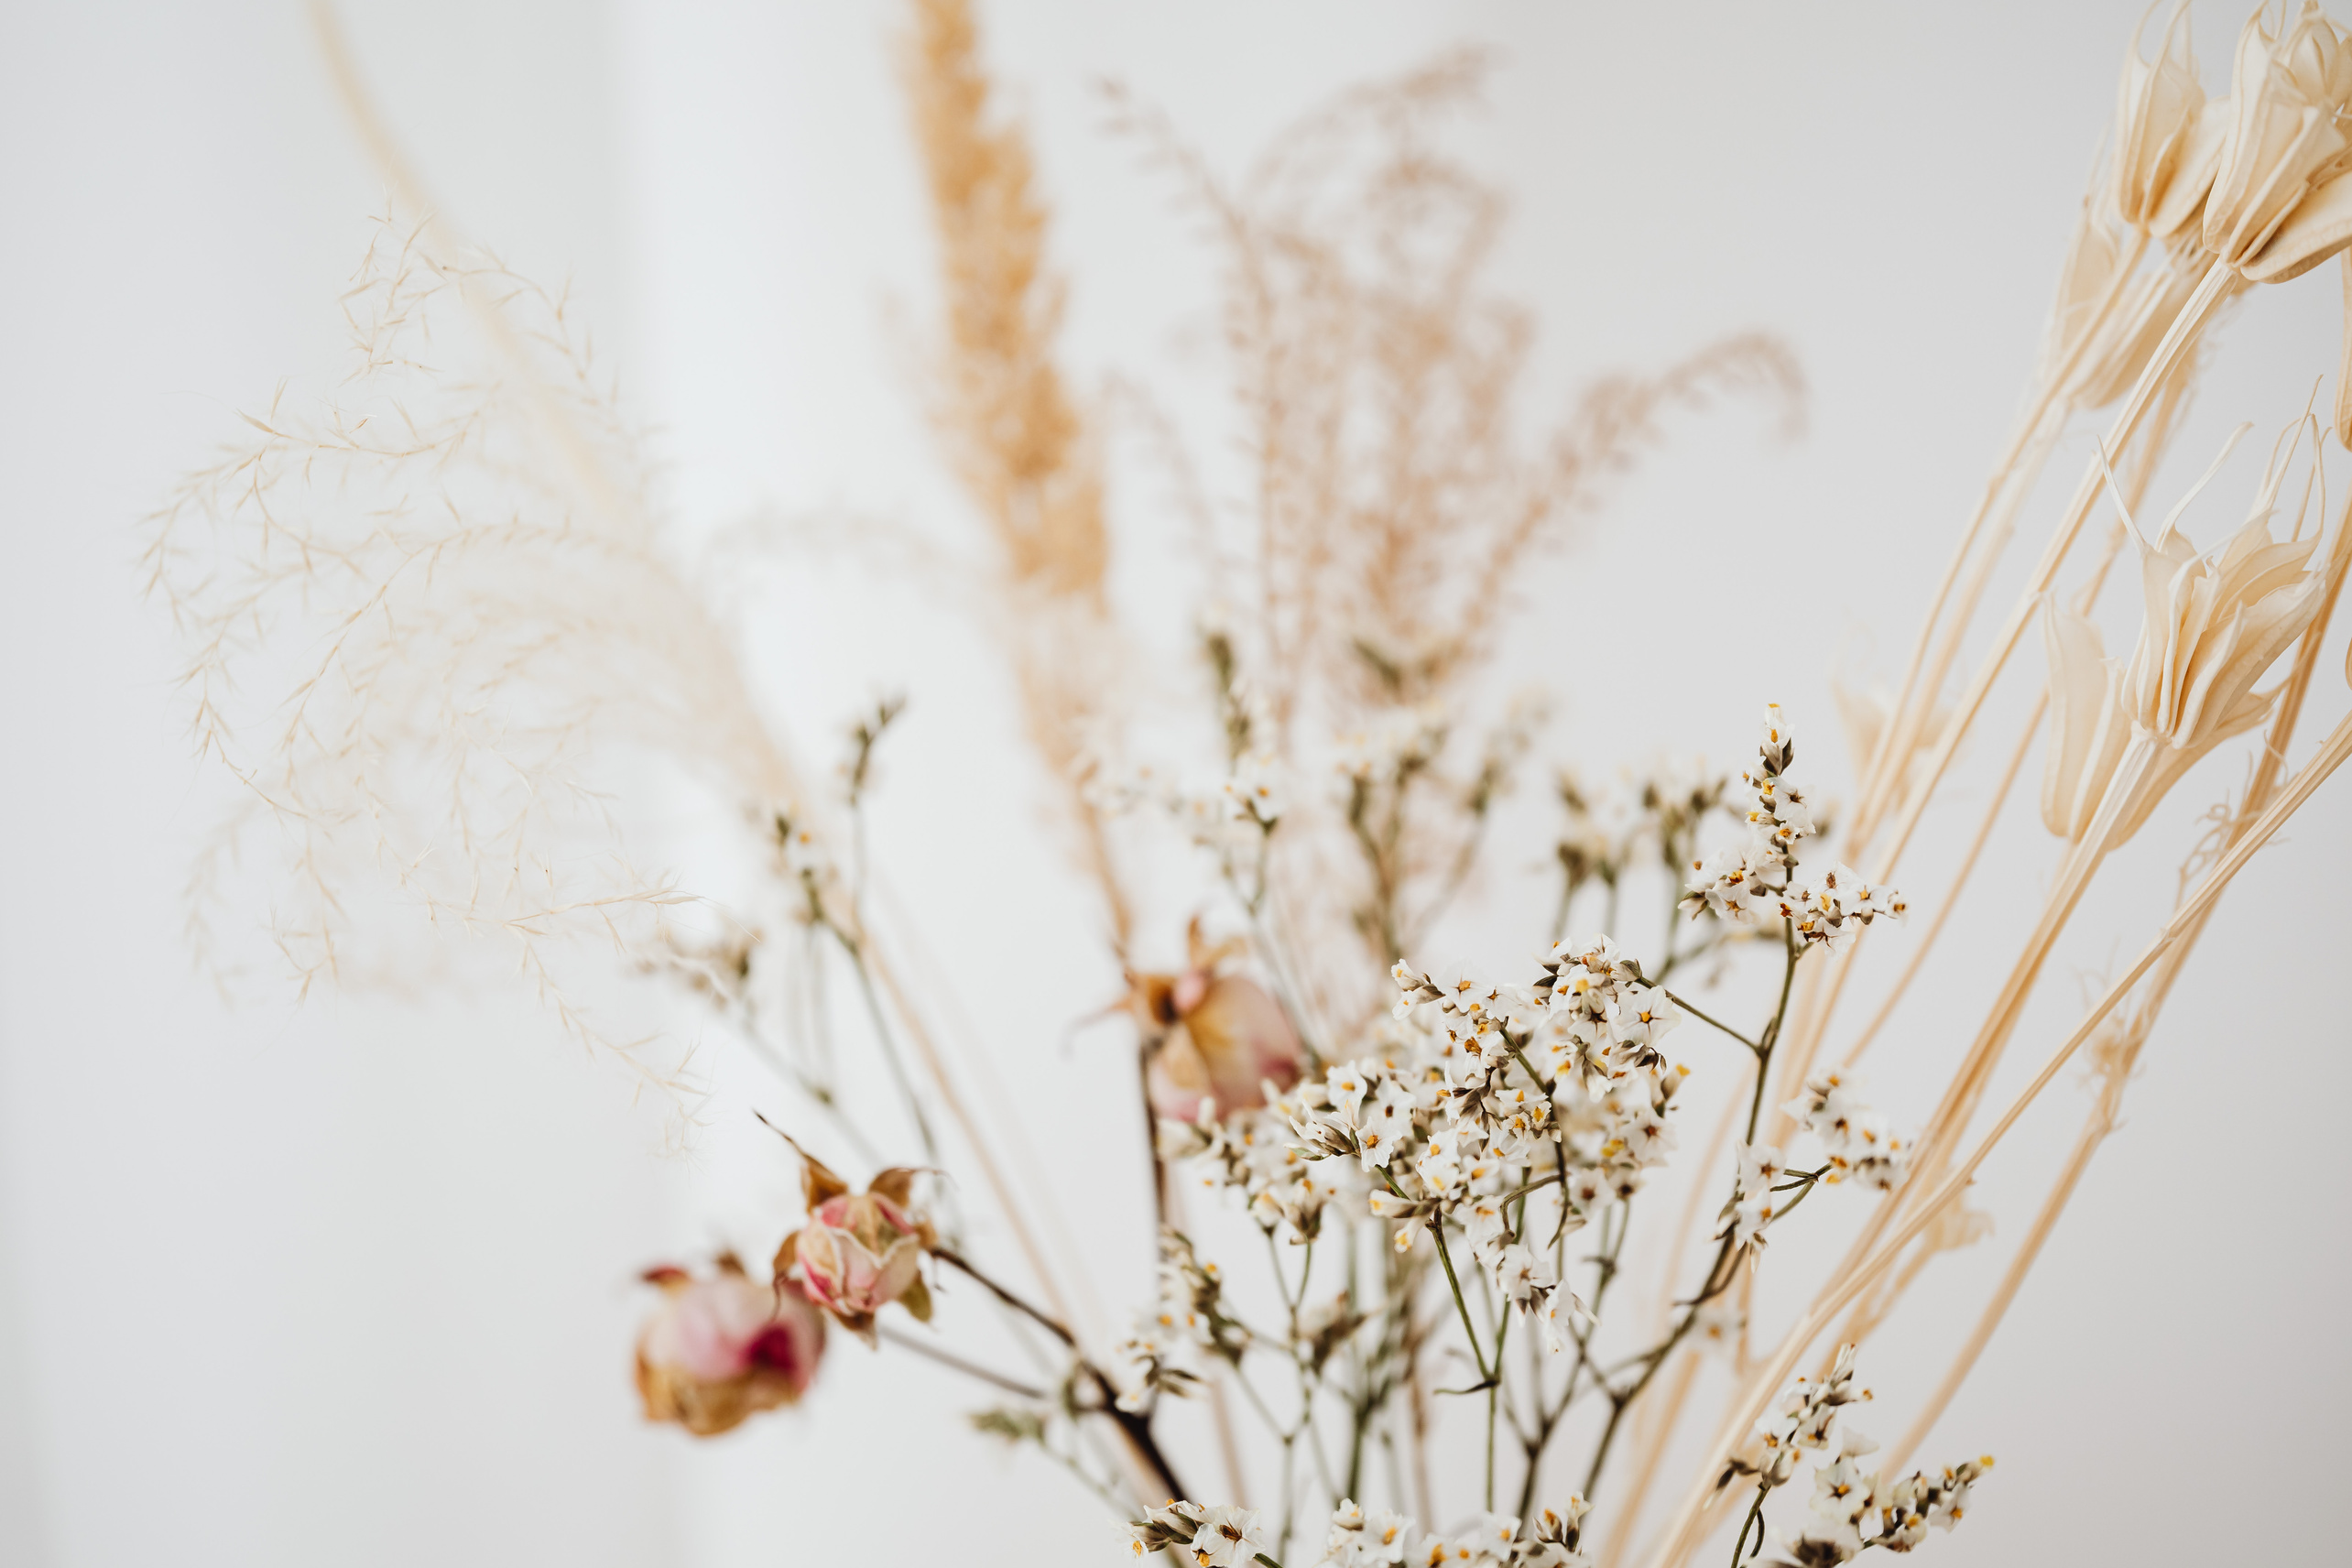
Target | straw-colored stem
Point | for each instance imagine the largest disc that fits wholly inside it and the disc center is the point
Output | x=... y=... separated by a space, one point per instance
x=1950 y=1119
x=1900 y=737
x=1915 y=699
x=2095 y=1130
x=1951 y=899
x=2083 y=601
x=1850 y=1282
x=1000 y=1184
x=2101 y=1120
x=2177 y=341
x=1653 y=1430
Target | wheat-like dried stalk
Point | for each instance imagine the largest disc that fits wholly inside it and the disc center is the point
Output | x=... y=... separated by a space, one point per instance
x=1027 y=461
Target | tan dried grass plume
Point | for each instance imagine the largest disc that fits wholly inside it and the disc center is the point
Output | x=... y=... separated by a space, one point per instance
x=1022 y=452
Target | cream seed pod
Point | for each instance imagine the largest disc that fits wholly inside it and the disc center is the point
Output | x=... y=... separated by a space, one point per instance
x=2167 y=137
x=2281 y=204
x=2213 y=624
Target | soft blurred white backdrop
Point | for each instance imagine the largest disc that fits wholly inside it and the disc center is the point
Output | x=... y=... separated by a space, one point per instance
x=350 y=1282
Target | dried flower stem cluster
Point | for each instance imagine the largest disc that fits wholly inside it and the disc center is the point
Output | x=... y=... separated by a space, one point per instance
x=424 y=618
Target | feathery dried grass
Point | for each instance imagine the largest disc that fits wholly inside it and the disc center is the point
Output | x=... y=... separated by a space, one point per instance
x=428 y=617
x=1378 y=378
x=1396 y=504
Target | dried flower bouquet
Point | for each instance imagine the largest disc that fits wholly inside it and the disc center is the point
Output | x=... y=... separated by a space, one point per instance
x=433 y=622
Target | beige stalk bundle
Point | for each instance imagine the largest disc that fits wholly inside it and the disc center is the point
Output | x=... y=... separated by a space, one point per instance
x=435 y=632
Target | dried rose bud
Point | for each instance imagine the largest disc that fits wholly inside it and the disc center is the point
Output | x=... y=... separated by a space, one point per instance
x=724 y=1347
x=859 y=1252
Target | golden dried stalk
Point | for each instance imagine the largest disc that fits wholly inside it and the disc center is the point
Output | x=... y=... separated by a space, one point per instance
x=1018 y=445
x=2120 y=1053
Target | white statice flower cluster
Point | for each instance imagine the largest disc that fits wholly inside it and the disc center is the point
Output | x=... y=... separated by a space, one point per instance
x=1831 y=910
x=1161 y=1354
x=1192 y=1294
x=1650 y=819
x=1804 y=1417
x=1861 y=1144
x=1602 y=1020
x=1440 y=1155
x=1759 y=880
x=1252 y=792
x=1717 y=1325
x=1153 y=1360
x=1485 y=1091
x=1221 y=1536
x=1230 y=816
x=800 y=853
x=1855 y=1510
x=1252 y=1153
x=1760 y=1194
x=1384 y=1539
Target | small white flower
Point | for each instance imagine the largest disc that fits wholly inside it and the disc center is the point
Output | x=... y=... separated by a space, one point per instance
x=1760 y=1168
x=1227 y=1537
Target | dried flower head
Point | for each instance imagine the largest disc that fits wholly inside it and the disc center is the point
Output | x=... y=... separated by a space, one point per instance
x=721 y=1347
x=2281 y=204
x=2168 y=138
x=859 y=1252
x=2213 y=624
x=1212 y=1037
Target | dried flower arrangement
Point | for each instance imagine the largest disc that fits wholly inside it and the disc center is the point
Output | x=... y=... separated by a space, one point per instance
x=450 y=586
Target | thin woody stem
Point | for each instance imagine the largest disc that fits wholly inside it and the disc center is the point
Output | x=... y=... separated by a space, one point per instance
x=1136 y=1428
x=1012 y=1385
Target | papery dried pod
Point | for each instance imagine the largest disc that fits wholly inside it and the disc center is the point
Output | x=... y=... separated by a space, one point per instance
x=2213 y=624
x=2088 y=731
x=2280 y=203
x=2167 y=137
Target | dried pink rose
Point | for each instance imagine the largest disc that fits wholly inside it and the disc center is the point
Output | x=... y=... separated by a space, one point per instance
x=859 y=1252
x=722 y=1347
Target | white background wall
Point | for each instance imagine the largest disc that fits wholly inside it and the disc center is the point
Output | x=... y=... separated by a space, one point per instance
x=349 y=1283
